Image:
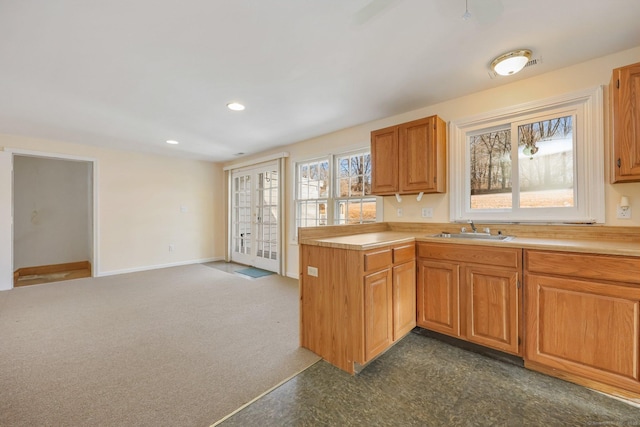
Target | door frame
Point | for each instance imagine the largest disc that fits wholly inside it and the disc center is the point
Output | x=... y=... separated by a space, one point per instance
x=95 y=234
x=281 y=158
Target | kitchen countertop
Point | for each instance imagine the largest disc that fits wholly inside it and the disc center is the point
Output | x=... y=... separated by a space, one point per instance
x=365 y=241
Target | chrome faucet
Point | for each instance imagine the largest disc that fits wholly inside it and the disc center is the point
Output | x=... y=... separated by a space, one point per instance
x=473 y=226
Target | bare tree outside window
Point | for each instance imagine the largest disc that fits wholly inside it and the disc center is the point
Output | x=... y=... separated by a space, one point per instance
x=353 y=185
x=349 y=202
x=544 y=163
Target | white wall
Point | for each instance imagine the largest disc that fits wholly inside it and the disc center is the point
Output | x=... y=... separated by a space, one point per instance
x=51 y=211
x=581 y=76
x=139 y=200
x=6 y=236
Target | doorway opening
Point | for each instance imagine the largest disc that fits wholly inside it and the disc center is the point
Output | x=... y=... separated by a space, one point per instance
x=53 y=219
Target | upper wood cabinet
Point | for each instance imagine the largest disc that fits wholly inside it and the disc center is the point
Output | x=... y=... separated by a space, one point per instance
x=624 y=91
x=410 y=158
x=384 y=161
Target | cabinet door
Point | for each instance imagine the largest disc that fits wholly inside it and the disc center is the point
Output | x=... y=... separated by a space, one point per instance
x=493 y=301
x=585 y=328
x=404 y=299
x=384 y=161
x=417 y=154
x=422 y=151
x=378 y=315
x=438 y=297
x=625 y=90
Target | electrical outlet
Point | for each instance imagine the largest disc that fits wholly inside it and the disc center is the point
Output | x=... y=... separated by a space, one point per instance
x=399 y=212
x=171 y=247
x=624 y=213
x=427 y=212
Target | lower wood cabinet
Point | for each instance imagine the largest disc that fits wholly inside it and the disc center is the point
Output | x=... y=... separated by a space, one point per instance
x=471 y=292
x=493 y=305
x=355 y=304
x=404 y=297
x=579 y=313
x=438 y=290
x=583 y=318
x=378 y=312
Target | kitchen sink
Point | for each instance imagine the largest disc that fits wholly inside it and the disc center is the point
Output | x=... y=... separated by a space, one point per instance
x=473 y=236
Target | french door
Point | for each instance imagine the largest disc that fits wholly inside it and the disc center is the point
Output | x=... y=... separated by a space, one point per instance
x=255 y=216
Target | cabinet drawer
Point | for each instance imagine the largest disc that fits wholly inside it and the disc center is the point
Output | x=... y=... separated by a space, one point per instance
x=377 y=259
x=404 y=253
x=586 y=266
x=474 y=254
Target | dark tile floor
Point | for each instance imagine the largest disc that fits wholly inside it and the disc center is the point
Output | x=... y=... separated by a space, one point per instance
x=425 y=382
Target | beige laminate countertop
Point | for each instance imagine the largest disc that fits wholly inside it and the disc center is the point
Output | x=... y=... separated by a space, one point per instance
x=367 y=241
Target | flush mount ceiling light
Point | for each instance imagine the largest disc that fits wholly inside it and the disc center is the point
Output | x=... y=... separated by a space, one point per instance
x=172 y=142
x=511 y=62
x=235 y=106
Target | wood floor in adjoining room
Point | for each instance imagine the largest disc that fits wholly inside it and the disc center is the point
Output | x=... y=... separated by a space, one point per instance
x=51 y=273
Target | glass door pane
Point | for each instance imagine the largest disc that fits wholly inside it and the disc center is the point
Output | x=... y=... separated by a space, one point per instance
x=255 y=217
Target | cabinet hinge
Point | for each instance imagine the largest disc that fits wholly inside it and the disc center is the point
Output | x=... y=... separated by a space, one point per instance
x=619 y=162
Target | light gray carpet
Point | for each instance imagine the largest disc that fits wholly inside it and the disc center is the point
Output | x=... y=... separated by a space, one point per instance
x=181 y=346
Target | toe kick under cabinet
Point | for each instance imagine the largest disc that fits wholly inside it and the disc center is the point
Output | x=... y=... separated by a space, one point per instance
x=583 y=318
x=354 y=304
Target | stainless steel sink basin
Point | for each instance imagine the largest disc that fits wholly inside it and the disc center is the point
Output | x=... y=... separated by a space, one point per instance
x=474 y=236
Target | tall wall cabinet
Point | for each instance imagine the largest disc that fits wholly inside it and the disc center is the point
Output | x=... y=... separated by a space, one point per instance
x=624 y=91
x=410 y=158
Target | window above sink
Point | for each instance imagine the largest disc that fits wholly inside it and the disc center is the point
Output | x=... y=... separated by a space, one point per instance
x=539 y=162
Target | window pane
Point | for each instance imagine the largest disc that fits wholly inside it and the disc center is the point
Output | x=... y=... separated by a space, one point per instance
x=545 y=158
x=490 y=175
x=313 y=180
x=369 y=210
x=354 y=175
x=323 y=178
x=355 y=211
x=351 y=175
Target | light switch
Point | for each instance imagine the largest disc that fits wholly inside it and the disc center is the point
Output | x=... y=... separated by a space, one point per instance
x=312 y=271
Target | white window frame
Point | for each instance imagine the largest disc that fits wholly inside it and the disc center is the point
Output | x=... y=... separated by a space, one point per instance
x=588 y=157
x=334 y=190
x=296 y=196
x=332 y=196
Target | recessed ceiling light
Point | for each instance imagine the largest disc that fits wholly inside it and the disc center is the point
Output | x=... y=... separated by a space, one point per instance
x=172 y=142
x=235 y=106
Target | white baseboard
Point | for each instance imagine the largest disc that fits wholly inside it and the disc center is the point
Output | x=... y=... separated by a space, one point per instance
x=293 y=276
x=155 y=267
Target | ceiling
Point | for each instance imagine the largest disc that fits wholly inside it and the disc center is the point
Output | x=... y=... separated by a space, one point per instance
x=132 y=74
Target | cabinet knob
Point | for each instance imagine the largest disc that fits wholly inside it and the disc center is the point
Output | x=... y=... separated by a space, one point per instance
x=619 y=163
